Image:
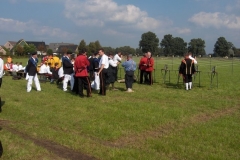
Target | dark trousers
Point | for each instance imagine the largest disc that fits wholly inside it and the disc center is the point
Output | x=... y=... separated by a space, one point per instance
x=129 y=79
x=91 y=74
x=84 y=82
x=149 y=77
x=187 y=78
x=116 y=73
x=103 y=78
x=143 y=74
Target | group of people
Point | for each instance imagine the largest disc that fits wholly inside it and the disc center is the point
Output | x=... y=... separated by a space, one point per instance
x=98 y=72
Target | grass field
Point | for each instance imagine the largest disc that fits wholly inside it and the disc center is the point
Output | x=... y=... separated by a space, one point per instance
x=162 y=121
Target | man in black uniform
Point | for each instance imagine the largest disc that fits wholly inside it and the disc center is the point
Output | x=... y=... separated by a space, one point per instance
x=186 y=70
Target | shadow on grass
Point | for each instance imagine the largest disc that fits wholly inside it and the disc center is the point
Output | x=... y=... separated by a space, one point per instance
x=175 y=85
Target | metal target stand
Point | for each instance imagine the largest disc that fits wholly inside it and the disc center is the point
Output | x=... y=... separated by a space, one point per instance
x=213 y=75
x=165 y=72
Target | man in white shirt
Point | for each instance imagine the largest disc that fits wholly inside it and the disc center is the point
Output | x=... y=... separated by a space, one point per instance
x=103 y=69
x=118 y=58
x=112 y=71
x=44 y=69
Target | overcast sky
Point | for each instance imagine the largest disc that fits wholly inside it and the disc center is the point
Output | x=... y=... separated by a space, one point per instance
x=117 y=23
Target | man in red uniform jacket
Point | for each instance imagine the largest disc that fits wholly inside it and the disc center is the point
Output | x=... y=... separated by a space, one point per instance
x=142 y=67
x=81 y=73
x=149 y=67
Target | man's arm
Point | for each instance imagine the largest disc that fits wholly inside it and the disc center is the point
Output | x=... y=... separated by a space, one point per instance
x=100 y=69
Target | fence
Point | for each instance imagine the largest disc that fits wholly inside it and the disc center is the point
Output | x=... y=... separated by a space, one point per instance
x=210 y=71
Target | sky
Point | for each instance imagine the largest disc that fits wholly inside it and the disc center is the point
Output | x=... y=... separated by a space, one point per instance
x=117 y=23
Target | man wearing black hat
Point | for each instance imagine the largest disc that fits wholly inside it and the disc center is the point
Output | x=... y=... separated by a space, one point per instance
x=67 y=71
x=31 y=70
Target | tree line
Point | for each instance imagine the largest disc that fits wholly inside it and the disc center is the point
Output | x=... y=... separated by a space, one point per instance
x=169 y=46
x=175 y=46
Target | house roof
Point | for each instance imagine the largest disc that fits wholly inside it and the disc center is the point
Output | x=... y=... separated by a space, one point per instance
x=13 y=43
x=69 y=47
x=55 y=46
x=35 y=43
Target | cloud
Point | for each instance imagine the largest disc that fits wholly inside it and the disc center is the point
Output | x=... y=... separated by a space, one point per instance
x=11 y=25
x=98 y=13
x=182 y=30
x=216 y=20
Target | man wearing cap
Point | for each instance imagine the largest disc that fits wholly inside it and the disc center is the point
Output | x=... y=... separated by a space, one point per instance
x=67 y=71
x=81 y=73
x=31 y=70
x=103 y=71
x=129 y=66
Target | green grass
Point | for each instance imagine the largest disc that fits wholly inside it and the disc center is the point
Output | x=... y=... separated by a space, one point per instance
x=162 y=121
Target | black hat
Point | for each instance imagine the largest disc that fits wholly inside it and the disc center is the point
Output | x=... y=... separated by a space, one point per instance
x=69 y=52
x=34 y=53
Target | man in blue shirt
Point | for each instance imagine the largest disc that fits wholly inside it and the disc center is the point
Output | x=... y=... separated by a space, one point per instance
x=129 y=66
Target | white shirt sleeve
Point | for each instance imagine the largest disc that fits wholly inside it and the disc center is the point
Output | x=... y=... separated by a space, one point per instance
x=112 y=63
x=117 y=58
x=195 y=61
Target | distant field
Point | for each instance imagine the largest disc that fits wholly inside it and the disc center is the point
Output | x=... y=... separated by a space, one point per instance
x=162 y=121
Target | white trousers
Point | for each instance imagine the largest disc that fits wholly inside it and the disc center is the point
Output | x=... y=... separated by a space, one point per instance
x=68 y=77
x=96 y=83
x=30 y=81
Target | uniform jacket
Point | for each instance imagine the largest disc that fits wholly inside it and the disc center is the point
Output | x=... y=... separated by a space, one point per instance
x=146 y=64
x=143 y=61
x=187 y=67
x=80 y=66
x=67 y=65
x=31 y=67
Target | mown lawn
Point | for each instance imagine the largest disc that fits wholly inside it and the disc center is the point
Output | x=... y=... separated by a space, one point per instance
x=162 y=121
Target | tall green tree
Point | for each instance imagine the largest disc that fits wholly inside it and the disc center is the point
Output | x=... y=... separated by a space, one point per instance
x=149 y=42
x=108 y=50
x=92 y=48
x=138 y=52
x=233 y=50
x=179 y=46
x=126 y=50
x=82 y=45
x=197 y=47
x=221 y=47
x=97 y=45
x=167 y=44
